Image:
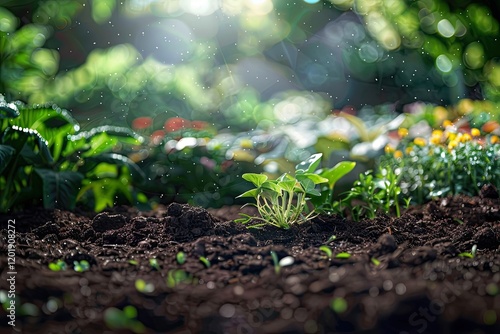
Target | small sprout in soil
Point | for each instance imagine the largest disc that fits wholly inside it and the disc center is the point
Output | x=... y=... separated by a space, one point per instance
x=375 y=261
x=343 y=255
x=276 y=263
x=461 y=222
x=154 y=264
x=175 y=277
x=327 y=250
x=81 y=266
x=181 y=258
x=133 y=262
x=470 y=254
x=338 y=305
x=332 y=238
x=144 y=287
x=126 y=319
x=205 y=261
x=59 y=265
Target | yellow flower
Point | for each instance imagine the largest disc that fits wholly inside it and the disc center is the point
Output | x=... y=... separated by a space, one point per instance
x=452 y=136
x=420 y=141
x=398 y=154
x=494 y=139
x=435 y=140
x=465 y=106
x=452 y=144
x=440 y=113
x=447 y=123
x=408 y=150
x=465 y=137
x=389 y=149
x=475 y=132
x=402 y=132
x=436 y=137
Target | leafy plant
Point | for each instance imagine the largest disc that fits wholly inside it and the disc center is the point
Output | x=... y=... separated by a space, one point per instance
x=205 y=261
x=59 y=265
x=180 y=257
x=327 y=250
x=81 y=266
x=284 y=201
x=471 y=254
x=373 y=194
x=44 y=157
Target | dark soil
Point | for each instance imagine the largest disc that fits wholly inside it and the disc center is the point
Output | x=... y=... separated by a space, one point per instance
x=420 y=283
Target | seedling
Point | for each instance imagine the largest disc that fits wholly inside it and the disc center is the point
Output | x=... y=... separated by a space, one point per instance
x=176 y=277
x=59 y=265
x=277 y=267
x=144 y=287
x=327 y=250
x=332 y=238
x=205 y=261
x=153 y=263
x=284 y=201
x=471 y=254
x=133 y=262
x=343 y=255
x=375 y=261
x=117 y=319
x=181 y=258
x=81 y=266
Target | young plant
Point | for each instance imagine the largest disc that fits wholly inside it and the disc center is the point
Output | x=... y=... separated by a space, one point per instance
x=205 y=261
x=284 y=202
x=180 y=257
x=117 y=319
x=81 y=266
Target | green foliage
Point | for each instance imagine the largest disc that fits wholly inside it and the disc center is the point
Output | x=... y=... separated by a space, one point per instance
x=471 y=254
x=431 y=171
x=117 y=319
x=374 y=194
x=81 y=266
x=180 y=258
x=205 y=261
x=45 y=158
x=327 y=250
x=59 y=265
x=178 y=276
x=153 y=263
x=284 y=201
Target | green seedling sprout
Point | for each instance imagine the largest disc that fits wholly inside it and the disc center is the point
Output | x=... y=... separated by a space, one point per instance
x=59 y=265
x=175 y=277
x=327 y=250
x=205 y=261
x=285 y=201
x=133 y=262
x=471 y=254
x=117 y=319
x=180 y=258
x=332 y=238
x=276 y=263
x=144 y=287
x=154 y=264
x=81 y=266
x=375 y=261
x=343 y=255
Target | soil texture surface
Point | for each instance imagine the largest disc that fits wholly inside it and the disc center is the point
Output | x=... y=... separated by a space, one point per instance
x=387 y=275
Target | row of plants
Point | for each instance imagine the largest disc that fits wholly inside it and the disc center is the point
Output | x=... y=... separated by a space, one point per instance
x=382 y=161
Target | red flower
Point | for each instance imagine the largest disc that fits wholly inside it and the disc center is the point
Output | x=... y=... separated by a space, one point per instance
x=141 y=123
x=176 y=123
x=199 y=125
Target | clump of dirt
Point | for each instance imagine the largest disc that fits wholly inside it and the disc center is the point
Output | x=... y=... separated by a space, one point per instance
x=403 y=275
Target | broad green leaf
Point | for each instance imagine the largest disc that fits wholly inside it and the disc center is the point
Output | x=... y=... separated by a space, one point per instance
x=60 y=189
x=309 y=165
x=6 y=154
x=18 y=137
x=337 y=172
x=256 y=179
x=114 y=159
x=315 y=178
x=272 y=185
x=250 y=193
x=103 y=192
x=343 y=255
x=288 y=186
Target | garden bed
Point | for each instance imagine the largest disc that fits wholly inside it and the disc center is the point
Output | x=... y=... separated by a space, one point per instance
x=403 y=274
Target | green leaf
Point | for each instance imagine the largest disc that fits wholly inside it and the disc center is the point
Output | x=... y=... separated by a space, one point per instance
x=8 y=110
x=327 y=250
x=114 y=159
x=309 y=165
x=18 y=137
x=288 y=186
x=337 y=172
x=272 y=185
x=256 y=179
x=343 y=255
x=6 y=154
x=250 y=193
x=317 y=179
x=59 y=188
x=181 y=257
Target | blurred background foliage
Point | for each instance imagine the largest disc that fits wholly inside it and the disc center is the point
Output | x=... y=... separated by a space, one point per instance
x=220 y=86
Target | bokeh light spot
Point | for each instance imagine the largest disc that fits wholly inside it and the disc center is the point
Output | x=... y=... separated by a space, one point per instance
x=443 y=63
